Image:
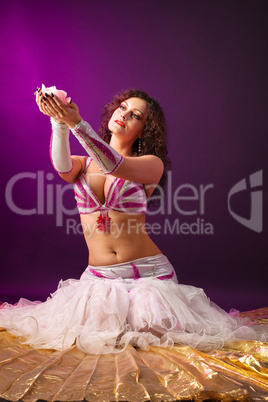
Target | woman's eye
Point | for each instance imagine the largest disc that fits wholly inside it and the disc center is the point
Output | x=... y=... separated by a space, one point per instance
x=135 y=115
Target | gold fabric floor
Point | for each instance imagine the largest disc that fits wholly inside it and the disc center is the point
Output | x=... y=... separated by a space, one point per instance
x=239 y=373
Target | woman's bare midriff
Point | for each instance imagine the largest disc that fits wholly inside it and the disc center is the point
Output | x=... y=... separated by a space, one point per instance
x=126 y=240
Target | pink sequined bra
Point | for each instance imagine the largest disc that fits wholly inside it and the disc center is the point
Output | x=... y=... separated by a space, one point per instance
x=123 y=196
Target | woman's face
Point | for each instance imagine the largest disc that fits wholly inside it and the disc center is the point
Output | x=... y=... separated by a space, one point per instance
x=129 y=118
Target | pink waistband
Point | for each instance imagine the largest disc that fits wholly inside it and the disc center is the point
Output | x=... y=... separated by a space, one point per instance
x=136 y=274
x=157 y=266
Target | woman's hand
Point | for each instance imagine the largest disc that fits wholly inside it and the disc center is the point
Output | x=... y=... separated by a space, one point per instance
x=51 y=105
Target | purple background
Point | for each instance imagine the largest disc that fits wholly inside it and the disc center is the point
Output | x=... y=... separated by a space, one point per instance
x=206 y=63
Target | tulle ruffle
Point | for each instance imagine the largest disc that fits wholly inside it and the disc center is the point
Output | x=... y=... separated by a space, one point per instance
x=103 y=316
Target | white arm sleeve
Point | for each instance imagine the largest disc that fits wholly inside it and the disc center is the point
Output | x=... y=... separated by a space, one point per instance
x=106 y=157
x=60 y=148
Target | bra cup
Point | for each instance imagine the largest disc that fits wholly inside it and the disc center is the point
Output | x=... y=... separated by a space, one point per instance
x=122 y=196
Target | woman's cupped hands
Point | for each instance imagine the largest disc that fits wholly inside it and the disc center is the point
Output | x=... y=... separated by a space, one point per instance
x=54 y=103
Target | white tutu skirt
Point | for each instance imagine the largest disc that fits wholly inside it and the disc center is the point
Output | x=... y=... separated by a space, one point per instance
x=138 y=302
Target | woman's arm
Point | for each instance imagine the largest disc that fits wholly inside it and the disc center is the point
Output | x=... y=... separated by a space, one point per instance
x=79 y=163
x=60 y=152
x=67 y=166
x=146 y=169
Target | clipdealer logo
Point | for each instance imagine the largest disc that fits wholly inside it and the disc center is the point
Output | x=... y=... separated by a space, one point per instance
x=50 y=201
x=255 y=222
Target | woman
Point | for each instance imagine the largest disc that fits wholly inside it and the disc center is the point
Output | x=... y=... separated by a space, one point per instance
x=128 y=294
x=124 y=240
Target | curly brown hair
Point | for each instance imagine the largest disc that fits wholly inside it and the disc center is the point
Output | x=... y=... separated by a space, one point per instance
x=154 y=133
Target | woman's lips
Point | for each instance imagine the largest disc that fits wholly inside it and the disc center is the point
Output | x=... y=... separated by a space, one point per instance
x=120 y=123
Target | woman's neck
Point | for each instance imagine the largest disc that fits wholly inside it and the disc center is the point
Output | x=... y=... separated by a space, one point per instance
x=124 y=149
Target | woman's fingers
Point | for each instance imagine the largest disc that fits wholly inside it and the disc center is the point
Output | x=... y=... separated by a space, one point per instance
x=39 y=100
x=42 y=103
x=54 y=105
x=51 y=105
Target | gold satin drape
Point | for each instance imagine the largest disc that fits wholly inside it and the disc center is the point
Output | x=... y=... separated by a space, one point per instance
x=238 y=373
